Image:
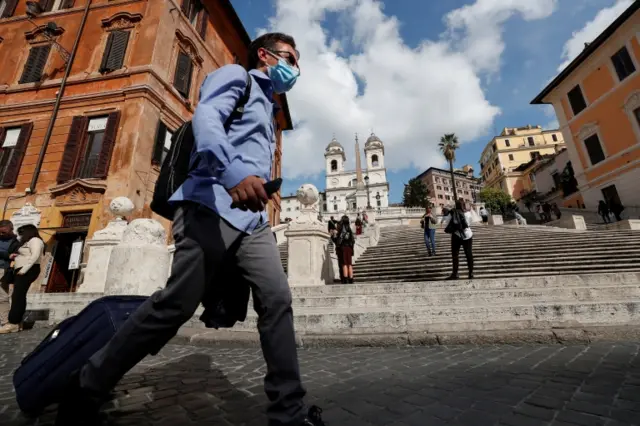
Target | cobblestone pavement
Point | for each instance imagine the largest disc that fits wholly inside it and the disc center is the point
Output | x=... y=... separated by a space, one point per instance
x=494 y=385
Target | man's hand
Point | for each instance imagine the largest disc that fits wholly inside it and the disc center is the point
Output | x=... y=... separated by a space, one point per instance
x=249 y=194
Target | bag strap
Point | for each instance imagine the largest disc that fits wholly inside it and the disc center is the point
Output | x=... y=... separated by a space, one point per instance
x=238 y=110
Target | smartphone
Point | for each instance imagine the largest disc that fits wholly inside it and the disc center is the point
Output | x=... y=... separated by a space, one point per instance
x=273 y=186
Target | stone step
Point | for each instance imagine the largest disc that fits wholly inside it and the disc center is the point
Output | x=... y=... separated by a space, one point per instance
x=444 y=261
x=492 y=274
x=472 y=298
x=455 y=318
x=520 y=283
x=421 y=255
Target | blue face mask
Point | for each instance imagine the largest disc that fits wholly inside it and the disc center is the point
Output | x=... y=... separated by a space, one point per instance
x=283 y=76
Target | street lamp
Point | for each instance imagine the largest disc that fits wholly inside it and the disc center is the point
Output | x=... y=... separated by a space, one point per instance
x=378 y=200
x=366 y=181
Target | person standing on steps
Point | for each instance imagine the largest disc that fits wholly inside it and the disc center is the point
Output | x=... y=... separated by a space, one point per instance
x=26 y=269
x=461 y=236
x=429 y=223
x=603 y=211
x=9 y=245
x=484 y=215
x=346 y=241
x=220 y=223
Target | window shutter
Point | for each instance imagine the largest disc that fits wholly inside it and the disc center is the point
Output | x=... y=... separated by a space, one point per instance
x=9 y=8
x=185 y=7
x=182 y=79
x=113 y=57
x=109 y=141
x=67 y=4
x=35 y=64
x=72 y=148
x=13 y=168
x=46 y=5
x=202 y=25
x=159 y=144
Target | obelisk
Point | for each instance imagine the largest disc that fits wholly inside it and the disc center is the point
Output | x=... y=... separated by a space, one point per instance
x=361 y=190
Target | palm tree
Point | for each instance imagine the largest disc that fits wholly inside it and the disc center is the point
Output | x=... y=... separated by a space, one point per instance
x=448 y=145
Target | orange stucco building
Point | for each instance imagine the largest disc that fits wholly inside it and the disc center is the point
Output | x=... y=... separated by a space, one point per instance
x=597 y=101
x=134 y=79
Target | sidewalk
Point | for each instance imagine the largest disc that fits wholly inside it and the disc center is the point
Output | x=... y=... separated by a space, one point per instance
x=475 y=386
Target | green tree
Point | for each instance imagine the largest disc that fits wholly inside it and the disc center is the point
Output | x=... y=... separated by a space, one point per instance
x=496 y=200
x=415 y=193
x=448 y=145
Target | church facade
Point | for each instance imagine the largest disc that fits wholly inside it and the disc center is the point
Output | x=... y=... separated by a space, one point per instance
x=359 y=189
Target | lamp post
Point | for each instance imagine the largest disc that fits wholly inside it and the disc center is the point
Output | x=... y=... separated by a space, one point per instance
x=366 y=182
x=378 y=201
x=34 y=9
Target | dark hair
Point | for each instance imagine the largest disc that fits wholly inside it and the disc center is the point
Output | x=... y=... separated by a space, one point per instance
x=6 y=224
x=27 y=232
x=459 y=205
x=267 y=41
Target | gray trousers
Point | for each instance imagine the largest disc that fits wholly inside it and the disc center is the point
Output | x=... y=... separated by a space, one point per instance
x=204 y=243
x=4 y=300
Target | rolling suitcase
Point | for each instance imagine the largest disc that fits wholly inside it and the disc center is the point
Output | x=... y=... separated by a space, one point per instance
x=44 y=373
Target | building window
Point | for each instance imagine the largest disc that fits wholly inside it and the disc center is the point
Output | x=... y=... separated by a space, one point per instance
x=440 y=197
x=437 y=180
x=379 y=203
x=636 y=113
x=288 y=209
x=334 y=165
x=594 y=149
x=448 y=198
x=439 y=188
x=446 y=188
x=324 y=207
x=114 y=51
x=554 y=137
x=35 y=64
x=87 y=153
x=335 y=207
x=531 y=141
x=162 y=144
x=51 y=5
x=576 y=100
x=510 y=157
x=355 y=206
x=534 y=154
x=374 y=160
x=507 y=143
x=13 y=141
x=623 y=64
x=184 y=72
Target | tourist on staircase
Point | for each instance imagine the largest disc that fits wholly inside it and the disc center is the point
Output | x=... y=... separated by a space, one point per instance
x=556 y=211
x=358 y=225
x=484 y=215
x=461 y=236
x=344 y=249
x=332 y=228
x=603 y=211
x=429 y=223
x=9 y=244
x=616 y=208
x=26 y=269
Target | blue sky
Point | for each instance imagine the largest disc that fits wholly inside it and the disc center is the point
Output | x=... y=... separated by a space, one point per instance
x=496 y=87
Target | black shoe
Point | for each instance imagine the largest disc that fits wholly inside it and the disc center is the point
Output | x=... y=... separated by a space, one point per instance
x=314 y=418
x=343 y=281
x=350 y=280
x=453 y=278
x=78 y=407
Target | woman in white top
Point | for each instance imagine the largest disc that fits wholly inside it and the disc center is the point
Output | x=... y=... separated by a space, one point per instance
x=26 y=268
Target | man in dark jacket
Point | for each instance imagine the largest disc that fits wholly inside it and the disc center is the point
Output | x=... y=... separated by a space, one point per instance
x=9 y=244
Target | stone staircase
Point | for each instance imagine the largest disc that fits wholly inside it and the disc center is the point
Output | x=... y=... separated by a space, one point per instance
x=500 y=252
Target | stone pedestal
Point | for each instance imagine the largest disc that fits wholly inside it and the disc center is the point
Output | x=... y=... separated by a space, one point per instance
x=100 y=248
x=496 y=219
x=624 y=225
x=572 y=222
x=139 y=265
x=309 y=261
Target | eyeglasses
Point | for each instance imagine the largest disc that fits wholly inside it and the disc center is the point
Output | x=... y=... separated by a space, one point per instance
x=287 y=56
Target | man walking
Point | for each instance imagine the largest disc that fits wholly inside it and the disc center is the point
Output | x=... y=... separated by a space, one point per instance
x=210 y=233
x=8 y=245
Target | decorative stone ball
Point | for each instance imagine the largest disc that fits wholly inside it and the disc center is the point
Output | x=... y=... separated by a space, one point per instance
x=307 y=194
x=121 y=206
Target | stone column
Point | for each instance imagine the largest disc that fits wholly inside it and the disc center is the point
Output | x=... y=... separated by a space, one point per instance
x=309 y=260
x=101 y=245
x=139 y=265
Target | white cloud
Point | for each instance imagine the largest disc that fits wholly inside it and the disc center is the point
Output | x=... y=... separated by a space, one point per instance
x=591 y=30
x=411 y=96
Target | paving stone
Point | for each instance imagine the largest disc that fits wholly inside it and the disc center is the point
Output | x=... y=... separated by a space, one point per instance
x=464 y=385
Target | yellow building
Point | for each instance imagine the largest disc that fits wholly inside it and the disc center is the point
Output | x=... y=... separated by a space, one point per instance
x=504 y=154
x=597 y=101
